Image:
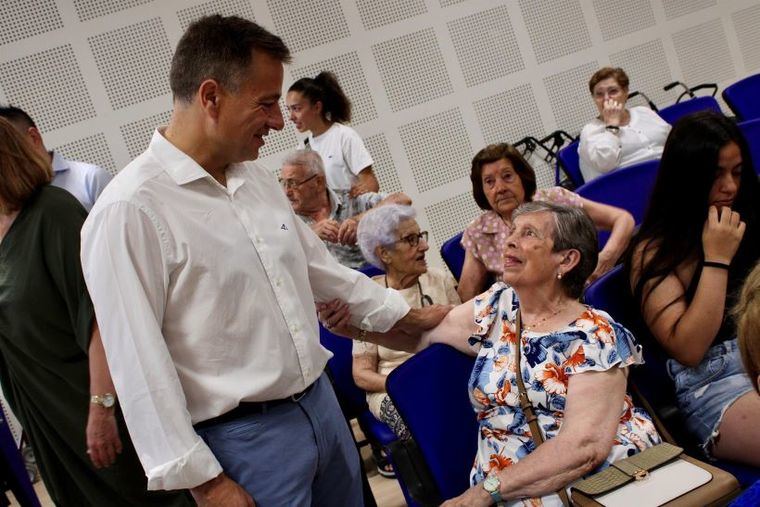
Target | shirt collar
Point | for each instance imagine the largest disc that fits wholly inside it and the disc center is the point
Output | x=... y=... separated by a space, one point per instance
x=183 y=169
x=59 y=163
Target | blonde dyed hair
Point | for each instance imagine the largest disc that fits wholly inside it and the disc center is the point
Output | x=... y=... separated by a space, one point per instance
x=747 y=316
x=22 y=169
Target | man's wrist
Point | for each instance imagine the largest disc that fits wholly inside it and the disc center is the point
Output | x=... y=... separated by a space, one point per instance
x=203 y=488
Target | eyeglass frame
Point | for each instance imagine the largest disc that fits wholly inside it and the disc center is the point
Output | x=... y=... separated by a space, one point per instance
x=408 y=239
x=290 y=184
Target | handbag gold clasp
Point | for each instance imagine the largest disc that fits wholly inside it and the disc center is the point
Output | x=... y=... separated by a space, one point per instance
x=640 y=474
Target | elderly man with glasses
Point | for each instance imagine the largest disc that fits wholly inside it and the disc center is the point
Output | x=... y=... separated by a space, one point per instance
x=332 y=215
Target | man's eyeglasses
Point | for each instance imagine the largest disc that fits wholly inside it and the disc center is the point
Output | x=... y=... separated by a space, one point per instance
x=294 y=183
x=414 y=239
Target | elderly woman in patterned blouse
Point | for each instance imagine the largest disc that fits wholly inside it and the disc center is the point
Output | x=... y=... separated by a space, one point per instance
x=574 y=362
x=501 y=181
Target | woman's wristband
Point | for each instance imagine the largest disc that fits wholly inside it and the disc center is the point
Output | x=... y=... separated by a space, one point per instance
x=612 y=128
x=713 y=264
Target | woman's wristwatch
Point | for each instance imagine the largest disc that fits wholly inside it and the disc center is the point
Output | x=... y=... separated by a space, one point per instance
x=106 y=400
x=612 y=128
x=492 y=485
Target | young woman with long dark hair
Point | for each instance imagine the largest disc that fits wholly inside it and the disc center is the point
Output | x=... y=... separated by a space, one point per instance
x=695 y=247
x=319 y=106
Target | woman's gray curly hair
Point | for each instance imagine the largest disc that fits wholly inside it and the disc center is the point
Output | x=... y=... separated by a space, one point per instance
x=378 y=227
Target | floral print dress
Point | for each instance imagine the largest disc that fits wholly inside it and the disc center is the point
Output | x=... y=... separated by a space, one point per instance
x=593 y=342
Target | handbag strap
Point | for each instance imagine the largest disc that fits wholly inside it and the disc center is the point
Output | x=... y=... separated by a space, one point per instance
x=527 y=407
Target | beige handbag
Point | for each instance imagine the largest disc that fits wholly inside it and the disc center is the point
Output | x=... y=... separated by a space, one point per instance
x=626 y=477
x=717 y=486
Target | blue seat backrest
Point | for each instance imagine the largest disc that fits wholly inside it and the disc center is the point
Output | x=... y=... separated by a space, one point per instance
x=743 y=97
x=352 y=400
x=751 y=130
x=430 y=391
x=453 y=255
x=370 y=270
x=671 y=114
x=628 y=188
x=569 y=161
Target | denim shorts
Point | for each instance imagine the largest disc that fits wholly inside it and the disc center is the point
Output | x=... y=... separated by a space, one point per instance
x=706 y=391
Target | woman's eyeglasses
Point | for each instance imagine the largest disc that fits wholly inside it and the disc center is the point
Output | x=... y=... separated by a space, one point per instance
x=414 y=239
x=293 y=183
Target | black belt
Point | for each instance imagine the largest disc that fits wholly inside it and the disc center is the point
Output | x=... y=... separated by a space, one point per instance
x=247 y=408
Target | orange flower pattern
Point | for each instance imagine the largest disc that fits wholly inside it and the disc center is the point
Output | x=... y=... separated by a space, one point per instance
x=593 y=342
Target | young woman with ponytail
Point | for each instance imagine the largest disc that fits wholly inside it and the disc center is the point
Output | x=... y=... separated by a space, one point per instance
x=319 y=106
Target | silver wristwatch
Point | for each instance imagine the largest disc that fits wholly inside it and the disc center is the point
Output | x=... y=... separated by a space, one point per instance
x=106 y=400
x=492 y=485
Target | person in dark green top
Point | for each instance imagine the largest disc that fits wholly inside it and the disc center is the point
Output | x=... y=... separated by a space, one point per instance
x=53 y=368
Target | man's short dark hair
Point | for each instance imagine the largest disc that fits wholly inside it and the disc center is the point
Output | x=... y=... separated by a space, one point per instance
x=219 y=48
x=17 y=117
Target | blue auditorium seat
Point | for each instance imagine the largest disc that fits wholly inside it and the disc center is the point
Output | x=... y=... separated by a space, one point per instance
x=628 y=188
x=569 y=161
x=453 y=255
x=430 y=391
x=751 y=131
x=743 y=98
x=13 y=474
x=671 y=114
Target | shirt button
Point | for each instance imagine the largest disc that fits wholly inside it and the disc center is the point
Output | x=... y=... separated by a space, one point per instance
x=278 y=282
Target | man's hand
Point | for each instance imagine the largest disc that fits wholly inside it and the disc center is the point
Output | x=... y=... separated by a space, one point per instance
x=221 y=491
x=335 y=315
x=327 y=230
x=103 y=442
x=347 y=232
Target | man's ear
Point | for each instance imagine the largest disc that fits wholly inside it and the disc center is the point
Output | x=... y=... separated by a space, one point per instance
x=34 y=136
x=210 y=96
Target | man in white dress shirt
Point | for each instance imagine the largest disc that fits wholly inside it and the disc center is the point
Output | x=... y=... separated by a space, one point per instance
x=204 y=282
x=84 y=181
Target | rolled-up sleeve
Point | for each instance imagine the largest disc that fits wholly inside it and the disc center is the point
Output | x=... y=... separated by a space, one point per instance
x=373 y=307
x=126 y=263
x=599 y=148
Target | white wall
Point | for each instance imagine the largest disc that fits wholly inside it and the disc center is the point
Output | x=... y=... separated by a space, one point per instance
x=432 y=81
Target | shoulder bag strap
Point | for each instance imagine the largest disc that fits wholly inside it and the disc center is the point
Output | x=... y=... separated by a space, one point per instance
x=527 y=407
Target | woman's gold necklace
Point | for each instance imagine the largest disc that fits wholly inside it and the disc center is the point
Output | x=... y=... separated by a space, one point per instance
x=541 y=321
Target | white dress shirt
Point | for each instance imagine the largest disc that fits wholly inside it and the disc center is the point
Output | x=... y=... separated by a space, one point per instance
x=204 y=296
x=642 y=139
x=83 y=181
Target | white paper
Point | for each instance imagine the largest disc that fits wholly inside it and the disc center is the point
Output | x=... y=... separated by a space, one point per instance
x=661 y=486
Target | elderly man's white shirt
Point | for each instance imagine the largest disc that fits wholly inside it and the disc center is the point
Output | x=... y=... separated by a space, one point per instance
x=205 y=298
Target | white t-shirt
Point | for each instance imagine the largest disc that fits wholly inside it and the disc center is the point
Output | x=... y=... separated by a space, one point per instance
x=343 y=153
x=642 y=139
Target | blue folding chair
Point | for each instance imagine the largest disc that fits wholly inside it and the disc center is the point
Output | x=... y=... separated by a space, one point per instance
x=453 y=255
x=353 y=400
x=742 y=98
x=13 y=474
x=569 y=161
x=671 y=114
x=611 y=293
x=430 y=391
x=628 y=188
x=751 y=131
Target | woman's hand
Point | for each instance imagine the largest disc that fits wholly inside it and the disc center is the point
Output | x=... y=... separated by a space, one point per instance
x=722 y=234
x=473 y=497
x=613 y=112
x=335 y=315
x=103 y=442
x=605 y=263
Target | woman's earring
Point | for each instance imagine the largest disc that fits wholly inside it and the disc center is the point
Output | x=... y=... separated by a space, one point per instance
x=559 y=276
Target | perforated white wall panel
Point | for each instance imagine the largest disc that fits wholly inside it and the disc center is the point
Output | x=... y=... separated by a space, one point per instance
x=432 y=81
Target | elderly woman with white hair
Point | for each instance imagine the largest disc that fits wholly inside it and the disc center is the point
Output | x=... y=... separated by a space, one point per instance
x=390 y=239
